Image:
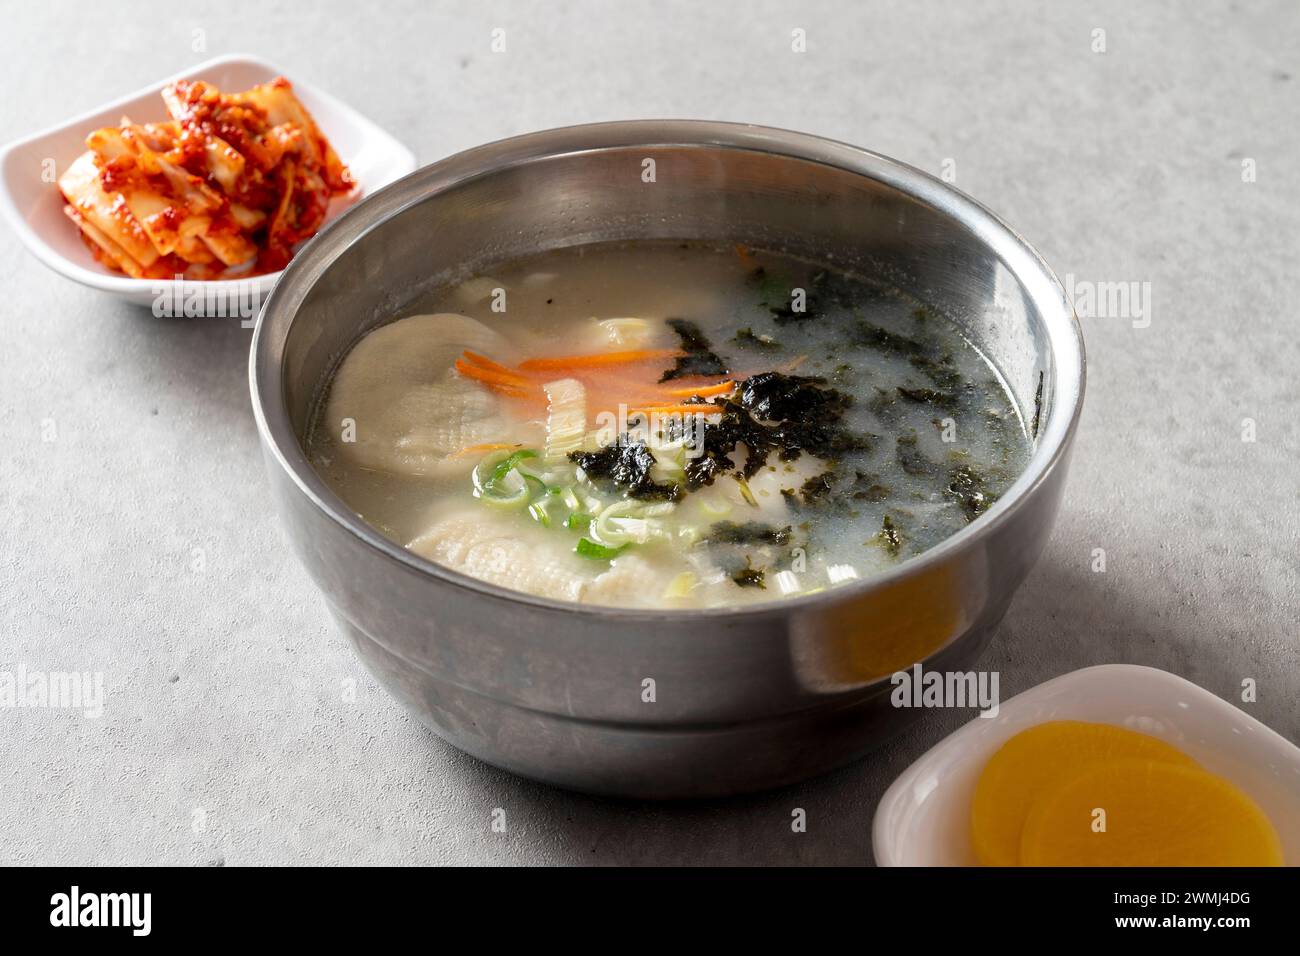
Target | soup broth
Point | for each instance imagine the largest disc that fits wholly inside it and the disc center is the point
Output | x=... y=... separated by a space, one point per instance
x=667 y=425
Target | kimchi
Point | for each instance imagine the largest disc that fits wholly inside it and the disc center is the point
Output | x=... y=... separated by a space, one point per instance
x=224 y=189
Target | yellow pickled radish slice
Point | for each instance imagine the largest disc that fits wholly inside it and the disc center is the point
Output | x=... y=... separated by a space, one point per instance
x=1034 y=761
x=1155 y=814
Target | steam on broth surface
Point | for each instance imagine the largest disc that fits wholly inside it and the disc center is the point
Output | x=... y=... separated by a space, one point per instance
x=667 y=425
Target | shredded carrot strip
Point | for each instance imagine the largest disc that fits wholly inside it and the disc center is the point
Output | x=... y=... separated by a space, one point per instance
x=596 y=360
x=603 y=376
x=616 y=384
x=681 y=409
x=704 y=391
x=482 y=449
x=484 y=362
x=488 y=375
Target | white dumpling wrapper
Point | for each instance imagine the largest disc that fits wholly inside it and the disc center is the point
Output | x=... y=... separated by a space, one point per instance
x=410 y=407
x=490 y=547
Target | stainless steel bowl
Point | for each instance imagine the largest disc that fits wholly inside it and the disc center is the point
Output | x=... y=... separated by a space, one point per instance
x=742 y=699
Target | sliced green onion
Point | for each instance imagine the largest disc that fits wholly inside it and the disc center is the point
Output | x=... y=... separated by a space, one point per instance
x=509 y=492
x=745 y=492
x=510 y=462
x=586 y=548
x=630 y=530
x=681 y=585
x=578 y=522
x=540 y=511
x=497 y=482
x=606 y=529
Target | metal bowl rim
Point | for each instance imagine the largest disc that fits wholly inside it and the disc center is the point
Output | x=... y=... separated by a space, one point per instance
x=1035 y=276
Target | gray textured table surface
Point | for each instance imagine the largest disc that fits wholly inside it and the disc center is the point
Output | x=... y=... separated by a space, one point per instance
x=139 y=541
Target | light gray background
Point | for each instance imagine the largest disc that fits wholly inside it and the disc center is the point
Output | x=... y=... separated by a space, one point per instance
x=224 y=685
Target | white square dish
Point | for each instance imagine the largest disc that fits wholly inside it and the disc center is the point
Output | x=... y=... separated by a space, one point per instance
x=923 y=818
x=34 y=207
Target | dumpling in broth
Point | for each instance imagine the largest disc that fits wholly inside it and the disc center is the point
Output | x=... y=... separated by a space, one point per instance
x=409 y=408
x=492 y=548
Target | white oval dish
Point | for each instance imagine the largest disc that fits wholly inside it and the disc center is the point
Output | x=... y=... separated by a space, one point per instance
x=923 y=818
x=33 y=206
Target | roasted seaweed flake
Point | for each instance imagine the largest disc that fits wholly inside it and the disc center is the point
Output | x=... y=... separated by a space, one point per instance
x=818 y=487
x=949 y=401
x=873 y=336
x=700 y=359
x=748 y=338
x=750 y=576
x=830 y=490
x=749 y=532
x=785 y=314
x=970 y=490
x=777 y=295
x=867 y=488
x=911 y=458
x=839 y=288
x=771 y=286
x=626 y=465
x=784 y=398
x=799 y=414
x=889 y=536
x=942 y=373
x=1038 y=407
